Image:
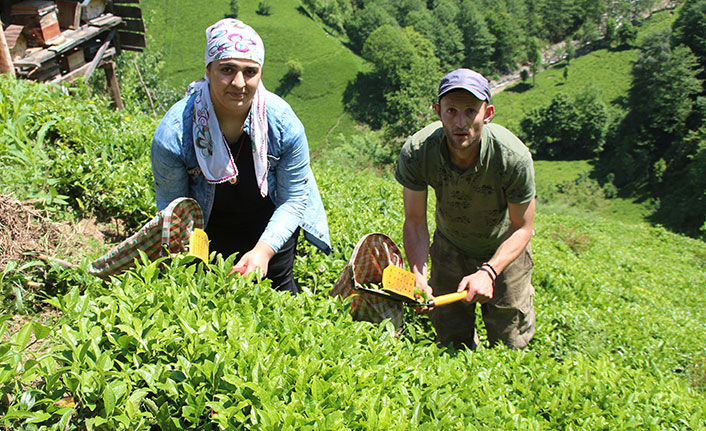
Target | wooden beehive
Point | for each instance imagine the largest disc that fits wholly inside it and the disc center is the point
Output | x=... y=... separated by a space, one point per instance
x=40 y=20
x=69 y=14
x=93 y=9
x=16 y=41
x=71 y=60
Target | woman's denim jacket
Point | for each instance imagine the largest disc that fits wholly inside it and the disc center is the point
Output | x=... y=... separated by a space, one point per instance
x=291 y=183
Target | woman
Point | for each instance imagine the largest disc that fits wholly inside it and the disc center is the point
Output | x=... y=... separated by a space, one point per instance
x=242 y=154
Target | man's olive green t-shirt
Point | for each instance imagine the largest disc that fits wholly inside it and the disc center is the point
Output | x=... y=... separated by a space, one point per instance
x=471 y=205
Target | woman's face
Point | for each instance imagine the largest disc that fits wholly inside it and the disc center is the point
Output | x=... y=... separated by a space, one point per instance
x=233 y=84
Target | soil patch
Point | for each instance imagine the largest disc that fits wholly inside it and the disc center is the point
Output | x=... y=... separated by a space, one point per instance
x=25 y=230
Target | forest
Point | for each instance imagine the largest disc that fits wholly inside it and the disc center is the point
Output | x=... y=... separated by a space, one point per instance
x=652 y=144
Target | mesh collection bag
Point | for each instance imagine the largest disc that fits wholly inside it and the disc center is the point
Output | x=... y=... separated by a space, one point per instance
x=373 y=253
x=168 y=232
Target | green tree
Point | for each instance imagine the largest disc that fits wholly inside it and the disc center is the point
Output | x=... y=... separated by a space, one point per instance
x=587 y=33
x=569 y=51
x=477 y=41
x=550 y=130
x=445 y=11
x=291 y=79
x=684 y=206
x=665 y=105
x=295 y=69
x=233 y=9
x=404 y=7
x=567 y=128
x=592 y=11
x=407 y=72
x=689 y=29
x=627 y=34
x=534 y=56
x=611 y=29
x=365 y=22
x=507 y=40
x=446 y=37
x=524 y=75
x=663 y=93
x=594 y=119
x=264 y=8
x=559 y=18
x=332 y=12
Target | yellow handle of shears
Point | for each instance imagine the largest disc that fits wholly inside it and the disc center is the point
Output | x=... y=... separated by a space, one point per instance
x=447 y=299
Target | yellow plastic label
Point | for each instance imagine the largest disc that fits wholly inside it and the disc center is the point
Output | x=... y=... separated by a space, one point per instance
x=198 y=245
x=398 y=280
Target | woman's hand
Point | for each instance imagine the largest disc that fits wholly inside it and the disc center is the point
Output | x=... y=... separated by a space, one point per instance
x=258 y=257
x=423 y=284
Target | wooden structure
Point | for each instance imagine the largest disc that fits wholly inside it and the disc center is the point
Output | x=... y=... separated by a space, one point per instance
x=61 y=40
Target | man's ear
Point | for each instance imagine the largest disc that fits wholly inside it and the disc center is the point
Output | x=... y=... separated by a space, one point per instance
x=437 y=109
x=489 y=113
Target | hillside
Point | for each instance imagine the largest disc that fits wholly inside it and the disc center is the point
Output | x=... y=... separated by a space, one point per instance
x=172 y=345
x=329 y=67
x=606 y=70
x=288 y=34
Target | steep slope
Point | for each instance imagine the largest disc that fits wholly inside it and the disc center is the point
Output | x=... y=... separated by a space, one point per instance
x=176 y=27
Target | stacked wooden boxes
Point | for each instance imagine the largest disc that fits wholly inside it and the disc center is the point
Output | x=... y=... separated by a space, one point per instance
x=40 y=20
x=16 y=41
x=69 y=14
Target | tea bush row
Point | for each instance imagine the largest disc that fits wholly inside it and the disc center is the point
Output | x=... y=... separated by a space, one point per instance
x=186 y=348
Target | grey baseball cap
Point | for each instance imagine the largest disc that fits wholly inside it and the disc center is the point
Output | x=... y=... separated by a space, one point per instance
x=465 y=79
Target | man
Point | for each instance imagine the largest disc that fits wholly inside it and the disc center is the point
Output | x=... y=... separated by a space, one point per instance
x=483 y=178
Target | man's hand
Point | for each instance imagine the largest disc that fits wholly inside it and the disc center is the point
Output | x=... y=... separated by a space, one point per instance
x=258 y=257
x=479 y=286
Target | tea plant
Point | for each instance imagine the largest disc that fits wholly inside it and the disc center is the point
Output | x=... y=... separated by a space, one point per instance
x=180 y=347
x=59 y=150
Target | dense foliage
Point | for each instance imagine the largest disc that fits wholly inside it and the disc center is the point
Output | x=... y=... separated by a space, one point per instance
x=494 y=37
x=172 y=345
x=568 y=128
x=461 y=29
x=74 y=152
x=650 y=143
x=660 y=144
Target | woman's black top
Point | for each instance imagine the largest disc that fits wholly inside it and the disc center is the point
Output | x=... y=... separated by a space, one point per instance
x=240 y=214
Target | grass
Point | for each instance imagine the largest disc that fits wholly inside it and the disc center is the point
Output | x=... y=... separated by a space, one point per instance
x=287 y=33
x=608 y=71
x=603 y=69
x=566 y=187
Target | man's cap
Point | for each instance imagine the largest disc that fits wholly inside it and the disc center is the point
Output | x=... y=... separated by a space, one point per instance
x=465 y=79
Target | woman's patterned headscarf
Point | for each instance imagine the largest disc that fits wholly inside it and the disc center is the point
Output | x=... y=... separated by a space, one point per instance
x=229 y=38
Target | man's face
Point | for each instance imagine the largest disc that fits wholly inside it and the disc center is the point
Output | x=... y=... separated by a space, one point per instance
x=463 y=116
x=233 y=84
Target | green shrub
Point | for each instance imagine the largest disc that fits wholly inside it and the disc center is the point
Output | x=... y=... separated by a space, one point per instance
x=73 y=150
x=264 y=8
x=294 y=69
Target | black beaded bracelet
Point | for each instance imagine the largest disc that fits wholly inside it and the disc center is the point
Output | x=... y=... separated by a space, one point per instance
x=495 y=273
x=490 y=274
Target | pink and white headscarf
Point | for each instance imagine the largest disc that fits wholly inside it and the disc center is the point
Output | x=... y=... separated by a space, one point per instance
x=229 y=38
